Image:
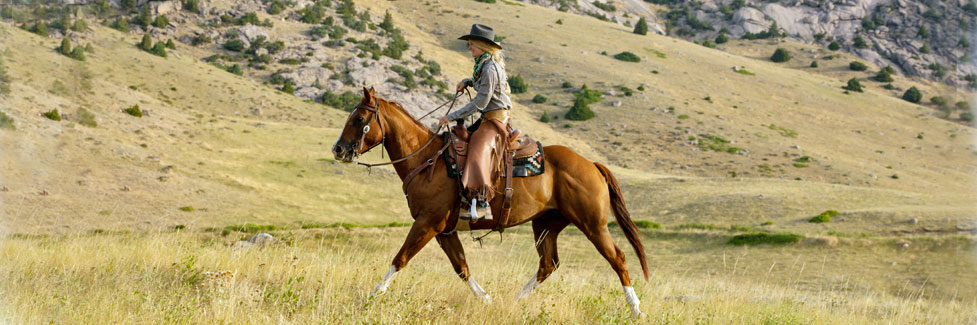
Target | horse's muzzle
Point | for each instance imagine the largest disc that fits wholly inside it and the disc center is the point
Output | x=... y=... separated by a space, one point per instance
x=343 y=152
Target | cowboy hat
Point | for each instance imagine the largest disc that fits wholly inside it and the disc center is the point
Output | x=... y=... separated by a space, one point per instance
x=482 y=33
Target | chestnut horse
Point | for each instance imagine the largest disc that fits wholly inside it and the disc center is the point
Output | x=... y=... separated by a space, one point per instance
x=572 y=190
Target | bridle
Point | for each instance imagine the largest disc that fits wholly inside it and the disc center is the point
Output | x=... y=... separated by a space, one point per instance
x=376 y=116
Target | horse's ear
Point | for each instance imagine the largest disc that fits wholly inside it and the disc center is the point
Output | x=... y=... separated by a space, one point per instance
x=367 y=93
x=372 y=91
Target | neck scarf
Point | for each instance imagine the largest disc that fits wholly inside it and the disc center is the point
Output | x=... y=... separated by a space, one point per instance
x=478 y=65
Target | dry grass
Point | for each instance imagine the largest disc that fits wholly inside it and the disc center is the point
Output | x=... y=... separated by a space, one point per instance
x=326 y=275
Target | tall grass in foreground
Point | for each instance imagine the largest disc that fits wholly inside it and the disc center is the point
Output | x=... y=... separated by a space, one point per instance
x=324 y=275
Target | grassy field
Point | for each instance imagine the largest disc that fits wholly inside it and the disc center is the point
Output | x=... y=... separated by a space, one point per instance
x=136 y=220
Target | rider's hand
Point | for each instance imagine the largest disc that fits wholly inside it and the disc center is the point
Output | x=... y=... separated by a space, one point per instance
x=443 y=122
x=460 y=87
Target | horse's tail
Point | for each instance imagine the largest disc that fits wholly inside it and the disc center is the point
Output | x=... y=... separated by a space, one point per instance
x=624 y=217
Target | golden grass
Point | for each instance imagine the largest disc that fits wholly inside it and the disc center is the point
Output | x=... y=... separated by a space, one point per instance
x=325 y=276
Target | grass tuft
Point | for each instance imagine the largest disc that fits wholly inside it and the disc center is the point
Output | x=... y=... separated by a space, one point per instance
x=765 y=238
x=823 y=217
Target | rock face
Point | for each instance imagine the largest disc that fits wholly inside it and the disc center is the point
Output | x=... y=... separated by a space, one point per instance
x=890 y=30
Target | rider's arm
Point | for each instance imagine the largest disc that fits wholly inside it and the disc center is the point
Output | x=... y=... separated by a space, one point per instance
x=486 y=84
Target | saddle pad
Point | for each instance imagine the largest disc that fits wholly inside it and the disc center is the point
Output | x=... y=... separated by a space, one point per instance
x=526 y=166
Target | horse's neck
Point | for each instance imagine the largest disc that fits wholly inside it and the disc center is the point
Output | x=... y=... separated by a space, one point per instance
x=405 y=137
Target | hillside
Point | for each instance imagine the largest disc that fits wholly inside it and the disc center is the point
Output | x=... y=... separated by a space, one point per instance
x=704 y=153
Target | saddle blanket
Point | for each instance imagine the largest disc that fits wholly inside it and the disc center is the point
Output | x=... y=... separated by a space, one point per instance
x=524 y=166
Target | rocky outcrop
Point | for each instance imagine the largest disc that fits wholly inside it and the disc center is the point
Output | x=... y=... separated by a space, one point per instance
x=890 y=29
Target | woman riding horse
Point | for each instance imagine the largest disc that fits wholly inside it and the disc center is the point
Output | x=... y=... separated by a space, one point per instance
x=490 y=81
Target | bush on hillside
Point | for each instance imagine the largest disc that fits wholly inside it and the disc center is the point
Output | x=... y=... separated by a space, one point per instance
x=834 y=46
x=780 y=55
x=159 y=49
x=965 y=116
x=912 y=95
x=161 y=21
x=722 y=38
x=853 y=85
x=52 y=115
x=545 y=118
x=134 y=111
x=121 y=25
x=6 y=122
x=814 y=64
x=765 y=238
x=823 y=217
x=883 y=76
x=857 y=66
x=566 y=84
x=627 y=57
x=347 y=101
x=539 y=99
x=579 y=111
x=939 y=101
x=86 y=118
x=235 y=45
x=641 y=28
x=517 y=85
x=276 y=7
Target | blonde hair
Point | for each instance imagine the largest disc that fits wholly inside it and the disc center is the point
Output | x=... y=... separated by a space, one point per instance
x=497 y=54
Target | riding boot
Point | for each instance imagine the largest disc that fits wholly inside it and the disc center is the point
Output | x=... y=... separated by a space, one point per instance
x=476 y=177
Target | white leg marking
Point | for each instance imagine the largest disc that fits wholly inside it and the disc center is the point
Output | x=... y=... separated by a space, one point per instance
x=633 y=302
x=528 y=289
x=387 y=278
x=478 y=291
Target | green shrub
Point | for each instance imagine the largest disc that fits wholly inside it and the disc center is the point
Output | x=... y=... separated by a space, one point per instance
x=161 y=21
x=134 y=111
x=823 y=217
x=765 y=238
x=517 y=85
x=6 y=122
x=627 y=57
x=121 y=25
x=780 y=55
x=566 y=84
x=912 y=95
x=962 y=105
x=346 y=101
x=159 y=49
x=545 y=118
x=579 y=111
x=859 y=42
x=187 y=208
x=745 y=72
x=853 y=85
x=965 y=116
x=200 y=39
x=722 y=38
x=235 y=45
x=925 y=49
x=814 y=64
x=79 y=26
x=539 y=99
x=883 y=76
x=889 y=86
x=857 y=66
x=288 y=88
x=834 y=46
x=248 y=228
x=235 y=69
x=641 y=28
x=290 y=61
x=40 y=28
x=147 y=43
x=642 y=224
x=276 y=7
x=86 y=118
x=52 y=115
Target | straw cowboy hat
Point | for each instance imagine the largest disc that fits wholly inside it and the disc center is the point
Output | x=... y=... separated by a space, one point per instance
x=483 y=33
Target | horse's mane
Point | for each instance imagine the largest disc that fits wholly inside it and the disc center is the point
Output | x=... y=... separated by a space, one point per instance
x=397 y=106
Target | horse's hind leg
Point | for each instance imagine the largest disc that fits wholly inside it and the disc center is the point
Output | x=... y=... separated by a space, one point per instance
x=545 y=231
x=456 y=254
x=601 y=238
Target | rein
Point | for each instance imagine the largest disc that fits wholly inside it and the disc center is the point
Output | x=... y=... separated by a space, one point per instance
x=376 y=116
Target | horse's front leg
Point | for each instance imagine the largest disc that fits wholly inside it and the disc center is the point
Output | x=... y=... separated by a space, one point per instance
x=456 y=254
x=420 y=233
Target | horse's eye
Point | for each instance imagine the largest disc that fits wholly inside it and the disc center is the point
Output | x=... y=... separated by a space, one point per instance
x=359 y=120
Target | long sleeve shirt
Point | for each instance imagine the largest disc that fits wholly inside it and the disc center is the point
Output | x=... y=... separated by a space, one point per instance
x=491 y=92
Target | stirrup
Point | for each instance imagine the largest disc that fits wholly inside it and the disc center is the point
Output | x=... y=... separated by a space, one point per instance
x=474 y=212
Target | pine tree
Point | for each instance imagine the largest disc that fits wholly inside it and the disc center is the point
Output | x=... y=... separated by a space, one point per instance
x=288 y=88
x=159 y=49
x=147 y=43
x=65 y=47
x=641 y=28
x=912 y=95
x=161 y=21
x=388 y=22
x=170 y=45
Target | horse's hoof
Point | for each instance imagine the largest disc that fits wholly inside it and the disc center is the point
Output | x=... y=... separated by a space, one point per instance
x=487 y=299
x=638 y=314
